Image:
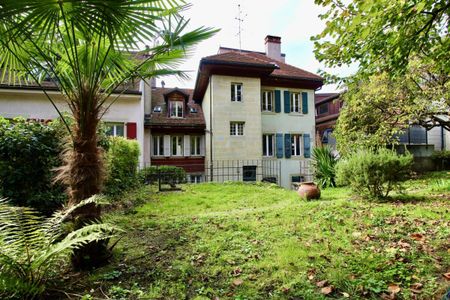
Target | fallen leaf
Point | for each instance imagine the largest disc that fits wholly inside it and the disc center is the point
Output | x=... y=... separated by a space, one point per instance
x=345 y=295
x=321 y=283
x=417 y=236
x=446 y=276
x=238 y=282
x=417 y=286
x=327 y=290
x=385 y=296
x=393 y=288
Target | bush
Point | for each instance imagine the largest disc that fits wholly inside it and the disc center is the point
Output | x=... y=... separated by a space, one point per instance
x=374 y=173
x=29 y=152
x=324 y=162
x=32 y=248
x=122 y=161
x=168 y=174
x=442 y=159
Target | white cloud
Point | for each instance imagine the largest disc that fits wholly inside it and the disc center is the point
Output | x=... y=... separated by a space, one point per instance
x=295 y=21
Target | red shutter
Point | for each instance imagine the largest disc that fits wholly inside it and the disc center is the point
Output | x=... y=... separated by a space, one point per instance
x=131 y=131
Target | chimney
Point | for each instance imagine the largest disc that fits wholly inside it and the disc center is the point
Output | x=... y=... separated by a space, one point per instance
x=273 y=47
x=163 y=84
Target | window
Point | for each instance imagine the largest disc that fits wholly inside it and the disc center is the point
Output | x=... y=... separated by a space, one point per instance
x=267 y=101
x=236 y=128
x=295 y=103
x=176 y=109
x=268 y=144
x=297 y=179
x=115 y=129
x=195 y=145
x=322 y=109
x=177 y=145
x=296 y=144
x=158 y=145
x=249 y=173
x=195 y=178
x=193 y=110
x=236 y=92
x=157 y=109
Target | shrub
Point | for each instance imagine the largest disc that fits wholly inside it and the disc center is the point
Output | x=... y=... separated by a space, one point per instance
x=122 y=161
x=324 y=162
x=32 y=248
x=29 y=152
x=374 y=173
x=442 y=159
x=168 y=174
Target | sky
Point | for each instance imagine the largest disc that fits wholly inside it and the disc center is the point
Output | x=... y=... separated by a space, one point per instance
x=295 y=21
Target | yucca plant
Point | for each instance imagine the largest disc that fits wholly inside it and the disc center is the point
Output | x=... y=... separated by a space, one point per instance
x=33 y=248
x=324 y=163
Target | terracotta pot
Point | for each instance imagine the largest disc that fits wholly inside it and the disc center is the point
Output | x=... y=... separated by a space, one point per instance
x=309 y=190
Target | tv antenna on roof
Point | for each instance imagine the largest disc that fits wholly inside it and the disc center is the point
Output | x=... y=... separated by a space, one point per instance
x=240 y=19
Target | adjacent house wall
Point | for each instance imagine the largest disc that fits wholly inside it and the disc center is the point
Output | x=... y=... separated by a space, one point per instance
x=33 y=104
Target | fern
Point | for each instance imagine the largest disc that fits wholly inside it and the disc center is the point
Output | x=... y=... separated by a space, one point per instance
x=32 y=248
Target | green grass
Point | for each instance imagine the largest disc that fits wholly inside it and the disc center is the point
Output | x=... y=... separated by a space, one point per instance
x=258 y=241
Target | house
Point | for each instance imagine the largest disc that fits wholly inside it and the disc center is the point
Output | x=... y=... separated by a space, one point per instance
x=259 y=114
x=124 y=118
x=176 y=129
x=327 y=107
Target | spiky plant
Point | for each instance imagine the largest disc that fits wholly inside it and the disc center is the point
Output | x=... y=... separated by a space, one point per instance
x=33 y=248
x=90 y=49
x=324 y=163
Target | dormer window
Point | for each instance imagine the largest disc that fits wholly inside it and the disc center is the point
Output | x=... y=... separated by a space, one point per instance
x=193 y=110
x=176 y=109
x=157 y=109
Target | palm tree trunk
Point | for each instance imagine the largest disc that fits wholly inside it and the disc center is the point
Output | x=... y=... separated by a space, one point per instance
x=84 y=174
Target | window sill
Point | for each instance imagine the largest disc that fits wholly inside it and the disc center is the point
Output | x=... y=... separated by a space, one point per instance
x=295 y=114
x=238 y=136
x=266 y=112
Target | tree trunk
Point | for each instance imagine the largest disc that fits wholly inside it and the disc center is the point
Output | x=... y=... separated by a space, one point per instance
x=84 y=175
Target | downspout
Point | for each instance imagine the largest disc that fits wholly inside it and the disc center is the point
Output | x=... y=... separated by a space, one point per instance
x=442 y=139
x=211 y=130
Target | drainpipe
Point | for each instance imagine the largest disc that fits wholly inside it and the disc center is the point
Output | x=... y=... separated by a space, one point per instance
x=211 y=130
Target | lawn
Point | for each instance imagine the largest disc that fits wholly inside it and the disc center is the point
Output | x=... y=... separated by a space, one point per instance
x=258 y=241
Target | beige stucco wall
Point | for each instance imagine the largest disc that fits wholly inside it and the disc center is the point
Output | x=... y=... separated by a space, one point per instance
x=226 y=147
x=34 y=105
x=273 y=123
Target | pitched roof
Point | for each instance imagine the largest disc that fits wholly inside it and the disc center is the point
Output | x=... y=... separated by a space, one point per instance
x=162 y=118
x=234 y=62
x=282 y=69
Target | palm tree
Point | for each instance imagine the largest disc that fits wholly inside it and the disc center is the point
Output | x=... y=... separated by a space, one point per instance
x=90 y=49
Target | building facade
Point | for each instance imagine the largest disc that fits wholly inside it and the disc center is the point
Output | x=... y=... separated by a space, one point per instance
x=259 y=114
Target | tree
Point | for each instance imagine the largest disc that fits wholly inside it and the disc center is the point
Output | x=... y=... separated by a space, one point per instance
x=90 y=49
x=402 y=49
x=384 y=35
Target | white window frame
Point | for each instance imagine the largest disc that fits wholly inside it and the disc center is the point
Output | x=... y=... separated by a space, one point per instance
x=296 y=103
x=113 y=126
x=196 y=148
x=176 y=109
x=296 y=144
x=236 y=92
x=267 y=139
x=237 y=128
x=158 y=141
x=267 y=101
x=179 y=150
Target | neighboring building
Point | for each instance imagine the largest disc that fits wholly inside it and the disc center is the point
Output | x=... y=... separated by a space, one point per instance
x=124 y=118
x=177 y=132
x=259 y=114
x=327 y=107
